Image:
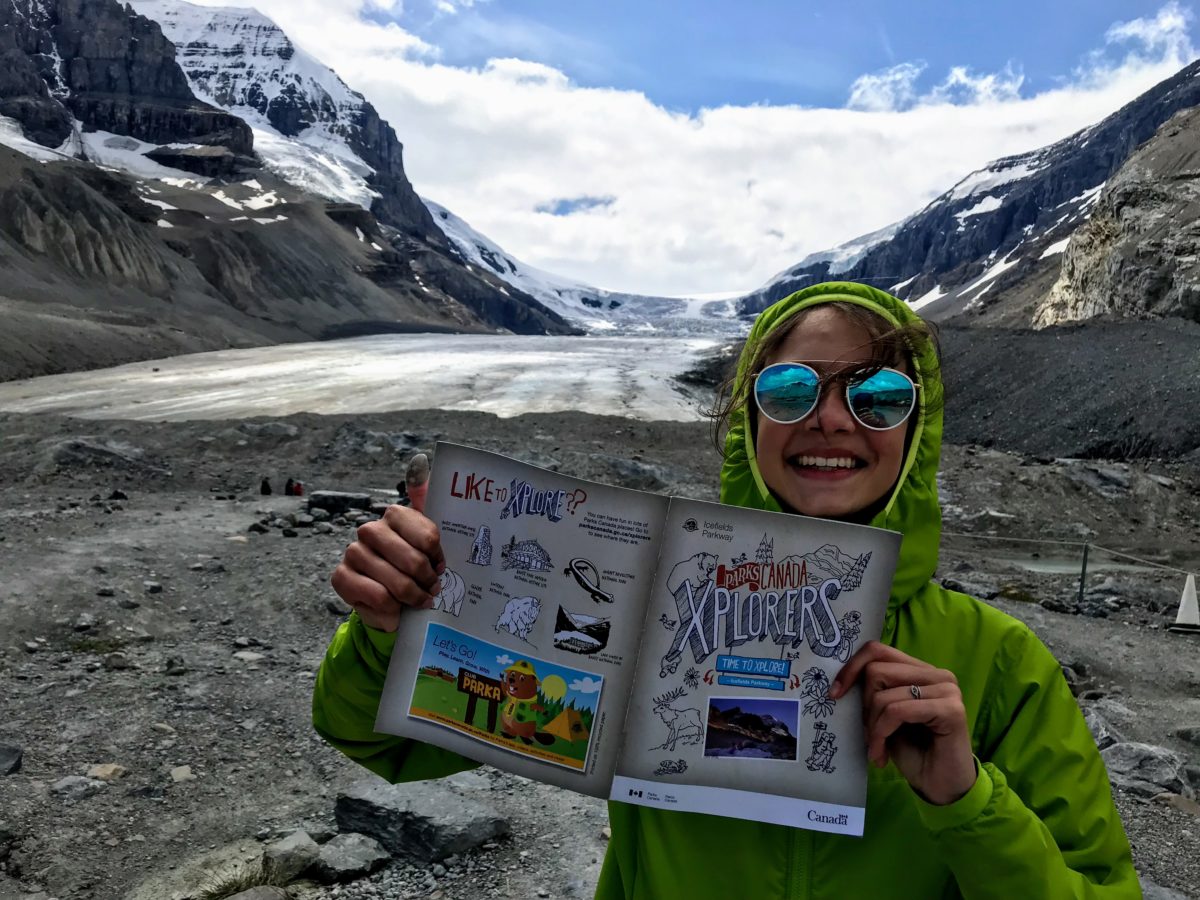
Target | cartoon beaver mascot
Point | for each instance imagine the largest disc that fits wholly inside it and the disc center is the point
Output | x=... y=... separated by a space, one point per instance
x=518 y=716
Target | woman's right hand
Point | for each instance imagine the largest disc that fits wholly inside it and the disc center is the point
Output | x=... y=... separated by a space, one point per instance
x=395 y=562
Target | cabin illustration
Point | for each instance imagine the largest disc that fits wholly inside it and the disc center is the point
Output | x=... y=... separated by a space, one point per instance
x=527 y=555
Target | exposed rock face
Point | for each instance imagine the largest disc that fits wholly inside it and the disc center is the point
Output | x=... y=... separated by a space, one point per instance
x=208 y=162
x=109 y=68
x=87 y=222
x=31 y=77
x=1139 y=254
x=98 y=269
x=240 y=60
x=991 y=230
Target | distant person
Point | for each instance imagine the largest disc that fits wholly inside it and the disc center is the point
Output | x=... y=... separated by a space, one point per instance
x=402 y=493
x=265 y=487
x=298 y=489
x=985 y=783
x=289 y=488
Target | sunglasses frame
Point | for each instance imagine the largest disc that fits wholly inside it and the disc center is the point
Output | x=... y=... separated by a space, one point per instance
x=822 y=380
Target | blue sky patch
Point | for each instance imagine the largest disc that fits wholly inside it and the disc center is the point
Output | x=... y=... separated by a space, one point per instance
x=568 y=206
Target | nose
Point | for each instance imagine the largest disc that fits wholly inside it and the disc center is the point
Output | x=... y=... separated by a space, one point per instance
x=832 y=414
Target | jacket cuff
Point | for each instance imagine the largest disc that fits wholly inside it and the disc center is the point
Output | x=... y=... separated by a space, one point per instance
x=962 y=810
x=382 y=642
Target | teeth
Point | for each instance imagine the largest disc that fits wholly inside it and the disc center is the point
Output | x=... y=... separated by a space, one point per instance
x=823 y=462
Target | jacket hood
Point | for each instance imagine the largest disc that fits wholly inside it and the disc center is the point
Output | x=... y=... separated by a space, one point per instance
x=913 y=507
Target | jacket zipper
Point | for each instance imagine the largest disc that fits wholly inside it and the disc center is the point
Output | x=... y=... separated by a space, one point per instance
x=800 y=870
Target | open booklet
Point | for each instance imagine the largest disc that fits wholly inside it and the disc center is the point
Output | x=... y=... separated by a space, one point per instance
x=665 y=652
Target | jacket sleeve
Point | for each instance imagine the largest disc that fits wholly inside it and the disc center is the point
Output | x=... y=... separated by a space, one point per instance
x=1040 y=822
x=346 y=700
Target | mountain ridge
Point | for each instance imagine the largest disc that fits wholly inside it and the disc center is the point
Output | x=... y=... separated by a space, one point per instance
x=194 y=243
x=998 y=226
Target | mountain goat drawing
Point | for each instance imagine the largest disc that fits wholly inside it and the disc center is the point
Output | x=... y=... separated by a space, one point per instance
x=684 y=723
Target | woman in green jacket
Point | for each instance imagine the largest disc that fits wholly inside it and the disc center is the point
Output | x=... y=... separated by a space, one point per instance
x=986 y=782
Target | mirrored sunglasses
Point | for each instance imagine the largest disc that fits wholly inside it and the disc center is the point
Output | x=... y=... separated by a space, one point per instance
x=786 y=392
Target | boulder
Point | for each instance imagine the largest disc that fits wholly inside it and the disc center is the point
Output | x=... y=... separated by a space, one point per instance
x=293 y=855
x=1134 y=765
x=337 y=502
x=10 y=759
x=427 y=820
x=76 y=787
x=1102 y=730
x=347 y=857
x=1191 y=734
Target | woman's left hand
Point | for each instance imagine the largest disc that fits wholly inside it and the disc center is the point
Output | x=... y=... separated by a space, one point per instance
x=926 y=735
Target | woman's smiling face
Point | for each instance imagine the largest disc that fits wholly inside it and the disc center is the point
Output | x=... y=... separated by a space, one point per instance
x=827 y=464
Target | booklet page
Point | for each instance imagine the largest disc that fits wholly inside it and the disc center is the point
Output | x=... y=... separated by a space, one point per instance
x=527 y=660
x=752 y=617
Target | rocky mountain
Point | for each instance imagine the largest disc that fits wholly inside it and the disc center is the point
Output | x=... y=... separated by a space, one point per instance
x=309 y=127
x=991 y=247
x=100 y=268
x=138 y=221
x=90 y=65
x=1139 y=251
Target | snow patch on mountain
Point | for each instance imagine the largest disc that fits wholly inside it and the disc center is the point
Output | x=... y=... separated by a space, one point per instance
x=314 y=161
x=591 y=308
x=127 y=154
x=843 y=256
x=986 y=205
x=993 y=176
x=241 y=61
x=13 y=137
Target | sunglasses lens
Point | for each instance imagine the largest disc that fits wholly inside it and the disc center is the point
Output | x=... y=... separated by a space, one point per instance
x=882 y=401
x=786 y=392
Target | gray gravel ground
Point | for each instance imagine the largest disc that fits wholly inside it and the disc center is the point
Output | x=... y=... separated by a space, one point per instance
x=103 y=668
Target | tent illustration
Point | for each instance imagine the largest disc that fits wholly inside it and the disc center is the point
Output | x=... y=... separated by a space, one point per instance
x=568 y=726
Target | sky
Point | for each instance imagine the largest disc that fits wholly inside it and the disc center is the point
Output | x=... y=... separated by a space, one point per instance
x=698 y=148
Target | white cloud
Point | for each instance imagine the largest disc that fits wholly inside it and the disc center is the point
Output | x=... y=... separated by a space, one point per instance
x=524 y=72
x=451 y=7
x=586 y=685
x=1166 y=34
x=891 y=89
x=963 y=87
x=715 y=201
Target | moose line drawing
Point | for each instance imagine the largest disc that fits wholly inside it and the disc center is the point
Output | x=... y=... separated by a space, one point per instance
x=683 y=723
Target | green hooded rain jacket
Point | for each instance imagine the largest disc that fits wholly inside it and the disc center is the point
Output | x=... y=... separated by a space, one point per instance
x=1039 y=824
